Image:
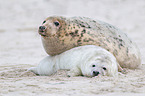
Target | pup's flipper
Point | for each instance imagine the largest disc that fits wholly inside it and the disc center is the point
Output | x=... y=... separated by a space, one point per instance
x=74 y=72
x=33 y=69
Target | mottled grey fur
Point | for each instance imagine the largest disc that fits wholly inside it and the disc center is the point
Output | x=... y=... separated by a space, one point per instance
x=79 y=31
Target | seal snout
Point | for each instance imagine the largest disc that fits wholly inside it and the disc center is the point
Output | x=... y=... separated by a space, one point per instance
x=42 y=30
x=96 y=73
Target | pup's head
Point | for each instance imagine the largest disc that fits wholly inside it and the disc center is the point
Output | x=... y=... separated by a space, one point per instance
x=51 y=26
x=100 y=67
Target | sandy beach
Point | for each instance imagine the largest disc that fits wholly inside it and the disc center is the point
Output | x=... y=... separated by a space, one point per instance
x=21 y=47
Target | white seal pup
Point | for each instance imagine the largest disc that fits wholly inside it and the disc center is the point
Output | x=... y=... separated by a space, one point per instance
x=88 y=60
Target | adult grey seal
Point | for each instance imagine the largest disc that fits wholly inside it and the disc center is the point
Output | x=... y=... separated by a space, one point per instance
x=60 y=34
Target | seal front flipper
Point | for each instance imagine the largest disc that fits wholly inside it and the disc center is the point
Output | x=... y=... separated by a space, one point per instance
x=74 y=72
x=120 y=69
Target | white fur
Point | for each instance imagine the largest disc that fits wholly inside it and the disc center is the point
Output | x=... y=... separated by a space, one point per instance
x=80 y=61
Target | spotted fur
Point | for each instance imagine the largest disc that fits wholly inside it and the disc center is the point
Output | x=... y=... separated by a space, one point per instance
x=79 y=31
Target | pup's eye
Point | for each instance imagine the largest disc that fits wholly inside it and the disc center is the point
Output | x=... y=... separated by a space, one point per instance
x=93 y=65
x=56 y=23
x=43 y=22
x=104 y=68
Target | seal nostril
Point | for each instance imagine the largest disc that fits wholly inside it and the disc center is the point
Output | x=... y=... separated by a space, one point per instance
x=96 y=73
x=42 y=27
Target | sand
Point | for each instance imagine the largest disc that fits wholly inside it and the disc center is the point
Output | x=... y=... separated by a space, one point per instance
x=21 y=47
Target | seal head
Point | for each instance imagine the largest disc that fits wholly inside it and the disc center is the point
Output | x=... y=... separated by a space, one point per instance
x=50 y=27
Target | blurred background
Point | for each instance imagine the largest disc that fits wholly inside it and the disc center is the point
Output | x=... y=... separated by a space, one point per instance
x=20 y=42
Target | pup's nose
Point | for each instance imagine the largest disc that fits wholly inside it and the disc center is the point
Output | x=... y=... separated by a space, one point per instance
x=42 y=28
x=96 y=73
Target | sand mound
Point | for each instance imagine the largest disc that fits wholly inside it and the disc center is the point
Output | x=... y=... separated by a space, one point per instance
x=17 y=80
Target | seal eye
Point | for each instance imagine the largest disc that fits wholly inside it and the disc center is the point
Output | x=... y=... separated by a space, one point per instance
x=43 y=22
x=104 y=68
x=93 y=65
x=56 y=23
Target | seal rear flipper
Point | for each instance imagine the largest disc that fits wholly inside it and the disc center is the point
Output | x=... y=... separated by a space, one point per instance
x=34 y=70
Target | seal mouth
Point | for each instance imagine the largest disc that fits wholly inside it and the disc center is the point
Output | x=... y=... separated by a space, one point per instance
x=42 y=30
x=42 y=33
